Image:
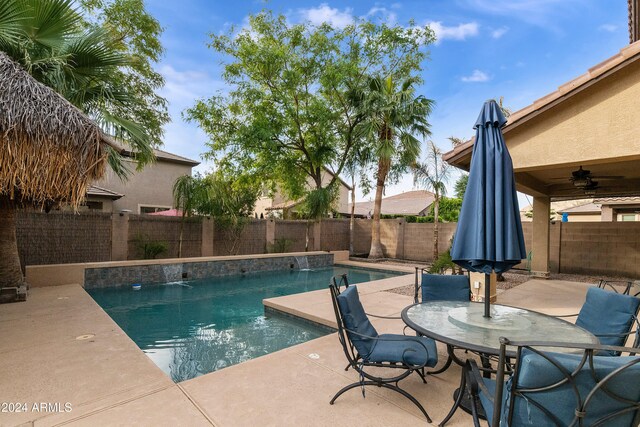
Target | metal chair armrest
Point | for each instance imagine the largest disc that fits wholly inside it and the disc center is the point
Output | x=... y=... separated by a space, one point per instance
x=476 y=382
x=383 y=317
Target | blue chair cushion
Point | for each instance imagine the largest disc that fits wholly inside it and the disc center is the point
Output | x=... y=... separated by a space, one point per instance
x=355 y=319
x=438 y=287
x=404 y=349
x=536 y=371
x=606 y=312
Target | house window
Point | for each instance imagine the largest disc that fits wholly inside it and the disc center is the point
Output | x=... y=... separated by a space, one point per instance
x=152 y=209
x=628 y=217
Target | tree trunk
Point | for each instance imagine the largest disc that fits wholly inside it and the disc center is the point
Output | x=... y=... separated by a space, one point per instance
x=352 y=221
x=180 y=238
x=436 y=211
x=376 y=247
x=10 y=271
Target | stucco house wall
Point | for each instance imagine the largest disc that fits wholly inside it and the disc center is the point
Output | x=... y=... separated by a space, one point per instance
x=150 y=187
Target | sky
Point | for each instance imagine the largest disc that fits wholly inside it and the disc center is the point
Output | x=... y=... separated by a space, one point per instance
x=518 y=49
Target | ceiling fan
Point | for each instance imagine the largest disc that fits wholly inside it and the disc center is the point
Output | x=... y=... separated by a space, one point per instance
x=583 y=180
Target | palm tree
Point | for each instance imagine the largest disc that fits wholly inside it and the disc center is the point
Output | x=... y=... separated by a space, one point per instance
x=395 y=115
x=505 y=110
x=189 y=193
x=359 y=157
x=433 y=175
x=49 y=39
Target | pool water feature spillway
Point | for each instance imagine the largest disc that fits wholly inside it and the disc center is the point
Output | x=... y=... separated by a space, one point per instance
x=195 y=327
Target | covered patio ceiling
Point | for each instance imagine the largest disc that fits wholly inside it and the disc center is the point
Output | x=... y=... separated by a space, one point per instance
x=592 y=121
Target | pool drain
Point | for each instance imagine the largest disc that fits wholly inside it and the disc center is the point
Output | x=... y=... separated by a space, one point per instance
x=85 y=337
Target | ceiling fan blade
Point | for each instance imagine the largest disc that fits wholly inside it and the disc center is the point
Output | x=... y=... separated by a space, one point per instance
x=607 y=176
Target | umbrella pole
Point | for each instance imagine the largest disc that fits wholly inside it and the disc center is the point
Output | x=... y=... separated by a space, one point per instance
x=487 y=295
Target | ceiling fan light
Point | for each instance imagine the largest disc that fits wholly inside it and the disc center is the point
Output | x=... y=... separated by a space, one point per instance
x=581 y=182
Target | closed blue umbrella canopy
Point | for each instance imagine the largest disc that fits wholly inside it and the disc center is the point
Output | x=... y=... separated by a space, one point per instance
x=489 y=235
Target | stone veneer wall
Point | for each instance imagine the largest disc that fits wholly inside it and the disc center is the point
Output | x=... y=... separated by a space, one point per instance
x=120 y=276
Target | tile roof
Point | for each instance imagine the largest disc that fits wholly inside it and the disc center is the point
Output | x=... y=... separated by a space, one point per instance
x=160 y=154
x=618 y=200
x=587 y=208
x=407 y=203
x=96 y=191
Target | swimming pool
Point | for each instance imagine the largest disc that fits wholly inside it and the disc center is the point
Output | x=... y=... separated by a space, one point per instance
x=195 y=327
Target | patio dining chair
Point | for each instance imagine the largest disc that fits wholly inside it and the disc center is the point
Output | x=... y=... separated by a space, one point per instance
x=439 y=287
x=610 y=316
x=365 y=348
x=617 y=286
x=557 y=384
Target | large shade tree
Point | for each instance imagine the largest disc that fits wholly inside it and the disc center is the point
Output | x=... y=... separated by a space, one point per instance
x=396 y=115
x=293 y=105
x=49 y=151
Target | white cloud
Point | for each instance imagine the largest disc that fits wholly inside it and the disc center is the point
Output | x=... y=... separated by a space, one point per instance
x=457 y=32
x=610 y=28
x=499 y=32
x=543 y=13
x=385 y=14
x=182 y=88
x=475 y=77
x=325 y=13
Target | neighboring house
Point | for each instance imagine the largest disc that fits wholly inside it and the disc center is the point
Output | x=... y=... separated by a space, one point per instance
x=620 y=208
x=557 y=208
x=100 y=199
x=279 y=206
x=588 y=212
x=608 y=209
x=146 y=191
x=415 y=203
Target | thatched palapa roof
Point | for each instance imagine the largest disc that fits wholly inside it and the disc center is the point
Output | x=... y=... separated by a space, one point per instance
x=49 y=150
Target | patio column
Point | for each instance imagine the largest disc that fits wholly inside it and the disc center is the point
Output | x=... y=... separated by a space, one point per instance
x=540 y=249
x=208 y=230
x=608 y=214
x=120 y=236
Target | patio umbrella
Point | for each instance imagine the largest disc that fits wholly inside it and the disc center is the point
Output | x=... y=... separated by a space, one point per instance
x=489 y=235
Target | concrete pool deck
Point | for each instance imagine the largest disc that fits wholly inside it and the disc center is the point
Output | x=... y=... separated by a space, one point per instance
x=109 y=381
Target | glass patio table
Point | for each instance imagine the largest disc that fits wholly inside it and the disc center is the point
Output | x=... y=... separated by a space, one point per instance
x=461 y=324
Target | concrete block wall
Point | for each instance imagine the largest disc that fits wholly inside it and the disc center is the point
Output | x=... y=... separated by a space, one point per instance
x=167 y=230
x=399 y=239
x=601 y=248
x=251 y=240
x=296 y=233
x=56 y=238
x=362 y=236
x=334 y=235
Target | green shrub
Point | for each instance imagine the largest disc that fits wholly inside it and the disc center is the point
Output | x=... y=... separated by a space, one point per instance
x=279 y=246
x=150 y=249
x=443 y=263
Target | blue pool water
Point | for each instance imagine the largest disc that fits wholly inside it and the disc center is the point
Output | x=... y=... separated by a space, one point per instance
x=195 y=327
